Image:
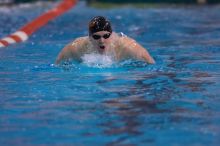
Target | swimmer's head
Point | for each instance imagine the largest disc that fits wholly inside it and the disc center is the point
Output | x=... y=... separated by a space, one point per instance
x=99 y=23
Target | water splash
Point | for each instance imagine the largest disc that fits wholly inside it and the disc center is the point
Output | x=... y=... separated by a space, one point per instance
x=97 y=60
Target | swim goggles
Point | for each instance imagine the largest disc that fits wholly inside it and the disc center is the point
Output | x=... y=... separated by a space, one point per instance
x=105 y=36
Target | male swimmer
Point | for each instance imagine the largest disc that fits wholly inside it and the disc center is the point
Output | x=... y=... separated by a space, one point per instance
x=103 y=40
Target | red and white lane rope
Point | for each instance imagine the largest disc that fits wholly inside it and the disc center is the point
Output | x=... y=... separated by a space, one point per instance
x=22 y=34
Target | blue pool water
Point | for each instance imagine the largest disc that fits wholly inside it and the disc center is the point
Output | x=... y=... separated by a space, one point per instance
x=175 y=102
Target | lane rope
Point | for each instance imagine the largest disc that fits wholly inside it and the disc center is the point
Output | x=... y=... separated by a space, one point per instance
x=23 y=33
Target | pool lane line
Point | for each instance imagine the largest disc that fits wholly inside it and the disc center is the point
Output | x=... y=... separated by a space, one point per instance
x=23 y=33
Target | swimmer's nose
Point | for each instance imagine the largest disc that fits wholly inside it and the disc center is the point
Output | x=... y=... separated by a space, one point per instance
x=102 y=39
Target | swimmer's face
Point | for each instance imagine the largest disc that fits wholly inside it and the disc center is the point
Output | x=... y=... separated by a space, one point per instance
x=101 y=40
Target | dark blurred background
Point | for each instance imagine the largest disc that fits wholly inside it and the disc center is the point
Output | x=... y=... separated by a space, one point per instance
x=157 y=1
x=6 y=2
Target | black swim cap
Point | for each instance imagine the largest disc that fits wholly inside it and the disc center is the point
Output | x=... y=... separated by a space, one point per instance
x=99 y=23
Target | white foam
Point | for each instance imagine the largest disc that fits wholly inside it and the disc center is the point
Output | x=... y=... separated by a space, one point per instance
x=97 y=60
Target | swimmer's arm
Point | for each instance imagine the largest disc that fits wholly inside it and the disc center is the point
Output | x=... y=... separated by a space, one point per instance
x=137 y=51
x=146 y=56
x=67 y=52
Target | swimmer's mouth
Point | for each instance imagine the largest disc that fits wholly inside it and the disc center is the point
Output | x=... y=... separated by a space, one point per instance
x=102 y=47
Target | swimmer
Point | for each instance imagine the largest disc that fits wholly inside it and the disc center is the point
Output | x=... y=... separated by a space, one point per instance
x=102 y=40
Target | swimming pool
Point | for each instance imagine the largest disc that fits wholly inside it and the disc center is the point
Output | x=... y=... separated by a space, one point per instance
x=175 y=102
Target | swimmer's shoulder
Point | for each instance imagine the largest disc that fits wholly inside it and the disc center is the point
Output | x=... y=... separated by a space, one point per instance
x=79 y=45
x=79 y=41
x=118 y=37
x=121 y=35
x=125 y=40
